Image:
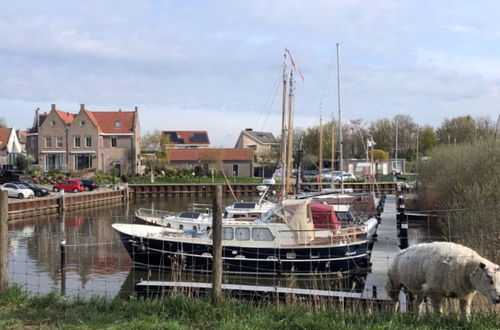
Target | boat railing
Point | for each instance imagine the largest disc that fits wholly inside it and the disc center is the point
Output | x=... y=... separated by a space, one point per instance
x=200 y=208
x=153 y=213
x=338 y=236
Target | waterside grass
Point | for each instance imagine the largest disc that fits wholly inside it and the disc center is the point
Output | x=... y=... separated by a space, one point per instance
x=19 y=310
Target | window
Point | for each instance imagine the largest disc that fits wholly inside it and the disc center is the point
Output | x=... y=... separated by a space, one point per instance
x=83 y=161
x=227 y=234
x=242 y=234
x=59 y=142
x=262 y=234
x=118 y=124
x=48 y=142
x=77 y=142
x=82 y=123
x=88 y=141
x=236 y=170
x=190 y=165
x=113 y=142
x=53 y=123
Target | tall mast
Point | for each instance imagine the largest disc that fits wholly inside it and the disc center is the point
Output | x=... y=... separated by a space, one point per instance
x=396 y=151
x=341 y=141
x=290 y=131
x=320 y=152
x=332 y=166
x=283 y=130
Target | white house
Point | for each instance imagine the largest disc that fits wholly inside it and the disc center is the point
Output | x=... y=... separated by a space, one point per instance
x=10 y=147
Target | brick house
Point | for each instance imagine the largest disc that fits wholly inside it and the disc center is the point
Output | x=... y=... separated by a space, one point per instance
x=265 y=147
x=234 y=162
x=10 y=147
x=188 y=139
x=101 y=140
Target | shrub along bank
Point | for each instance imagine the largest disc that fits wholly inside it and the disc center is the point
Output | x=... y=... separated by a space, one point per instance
x=18 y=310
x=462 y=183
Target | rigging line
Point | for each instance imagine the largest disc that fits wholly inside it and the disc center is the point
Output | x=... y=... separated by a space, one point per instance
x=269 y=99
x=326 y=83
x=271 y=105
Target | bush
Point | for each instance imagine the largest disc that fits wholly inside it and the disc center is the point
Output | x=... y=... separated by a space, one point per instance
x=463 y=181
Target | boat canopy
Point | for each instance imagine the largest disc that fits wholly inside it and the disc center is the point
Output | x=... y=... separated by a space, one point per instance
x=323 y=216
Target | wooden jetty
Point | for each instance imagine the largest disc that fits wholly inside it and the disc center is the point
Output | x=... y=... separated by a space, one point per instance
x=384 y=250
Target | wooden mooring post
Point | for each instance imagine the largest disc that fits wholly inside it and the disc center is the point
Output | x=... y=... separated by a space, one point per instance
x=4 y=241
x=217 y=245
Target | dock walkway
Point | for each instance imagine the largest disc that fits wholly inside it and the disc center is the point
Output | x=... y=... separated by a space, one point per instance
x=384 y=250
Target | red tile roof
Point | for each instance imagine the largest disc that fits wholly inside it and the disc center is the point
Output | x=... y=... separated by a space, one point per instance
x=106 y=121
x=4 y=136
x=186 y=155
x=66 y=116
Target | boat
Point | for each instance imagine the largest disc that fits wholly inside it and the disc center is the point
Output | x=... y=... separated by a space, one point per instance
x=199 y=216
x=298 y=237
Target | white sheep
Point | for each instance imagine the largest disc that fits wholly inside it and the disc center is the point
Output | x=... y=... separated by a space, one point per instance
x=441 y=269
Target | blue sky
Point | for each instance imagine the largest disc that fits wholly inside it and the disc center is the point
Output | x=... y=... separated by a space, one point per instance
x=216 y=65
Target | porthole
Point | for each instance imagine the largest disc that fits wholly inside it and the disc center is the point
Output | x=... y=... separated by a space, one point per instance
x=82 y=123
x=53 y=123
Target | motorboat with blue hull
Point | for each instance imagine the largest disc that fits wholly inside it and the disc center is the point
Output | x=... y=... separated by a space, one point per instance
x=290 y=240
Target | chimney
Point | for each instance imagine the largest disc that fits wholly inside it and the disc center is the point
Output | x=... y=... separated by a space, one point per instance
x=136 y=108
x=119 y=110
x=52 y=107
x=248 y=129
x=37 y=114
x=82 y=107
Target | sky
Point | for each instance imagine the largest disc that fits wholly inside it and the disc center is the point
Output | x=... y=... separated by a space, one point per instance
x=217 y=65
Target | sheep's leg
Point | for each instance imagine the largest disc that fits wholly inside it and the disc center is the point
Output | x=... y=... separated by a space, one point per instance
x=436 y=302
x=417 y=304
x=465 y=304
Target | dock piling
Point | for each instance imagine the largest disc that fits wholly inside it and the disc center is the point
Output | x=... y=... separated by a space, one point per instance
x=4 y=241
x=217 y=245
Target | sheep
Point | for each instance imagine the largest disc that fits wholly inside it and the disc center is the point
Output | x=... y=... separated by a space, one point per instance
x=443 y=270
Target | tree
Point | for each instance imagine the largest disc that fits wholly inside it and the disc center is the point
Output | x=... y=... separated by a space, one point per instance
x=23 y=162
x=456 y=130
x=427 y=140
x=151 y=141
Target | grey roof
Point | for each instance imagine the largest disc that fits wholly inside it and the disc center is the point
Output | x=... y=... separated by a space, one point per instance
x=262 y=137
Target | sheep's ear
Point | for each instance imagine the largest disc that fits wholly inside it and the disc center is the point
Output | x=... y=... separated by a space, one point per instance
x=482 y=265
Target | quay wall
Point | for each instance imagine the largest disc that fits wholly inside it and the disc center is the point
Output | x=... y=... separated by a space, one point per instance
x=71 y=201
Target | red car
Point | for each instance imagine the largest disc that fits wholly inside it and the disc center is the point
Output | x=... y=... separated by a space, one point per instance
x=73 y=185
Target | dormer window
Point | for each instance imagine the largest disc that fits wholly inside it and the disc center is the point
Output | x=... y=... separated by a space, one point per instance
x=82 y=123
x=118 y=124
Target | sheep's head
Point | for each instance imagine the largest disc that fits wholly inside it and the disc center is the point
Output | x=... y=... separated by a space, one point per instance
x=486 y=279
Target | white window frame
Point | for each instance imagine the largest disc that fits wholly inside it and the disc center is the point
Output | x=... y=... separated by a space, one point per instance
x=59 y=139
x=87 y=139
x=49 y=140
x=79 y=141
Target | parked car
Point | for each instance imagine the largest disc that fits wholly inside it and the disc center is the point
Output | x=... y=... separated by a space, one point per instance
x=17 y=190
x=88 y=184
x=38 y=191
x=336 y=177
x=73 y=185
x=309 y=175
x=14 y=176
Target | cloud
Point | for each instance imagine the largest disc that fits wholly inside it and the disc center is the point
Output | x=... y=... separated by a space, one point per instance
x=217 y=65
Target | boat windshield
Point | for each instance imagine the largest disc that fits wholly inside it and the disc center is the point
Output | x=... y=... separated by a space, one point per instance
x=266 y=217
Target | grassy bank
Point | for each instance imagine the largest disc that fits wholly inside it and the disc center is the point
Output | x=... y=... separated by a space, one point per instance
x=19 y=311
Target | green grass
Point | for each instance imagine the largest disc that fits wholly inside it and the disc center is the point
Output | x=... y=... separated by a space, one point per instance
x=19 y=310
x=203 y=180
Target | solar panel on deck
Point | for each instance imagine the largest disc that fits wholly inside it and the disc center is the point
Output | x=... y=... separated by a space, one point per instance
x=243 y=205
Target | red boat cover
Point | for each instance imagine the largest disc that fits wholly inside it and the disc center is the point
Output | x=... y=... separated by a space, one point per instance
x=323 y=216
